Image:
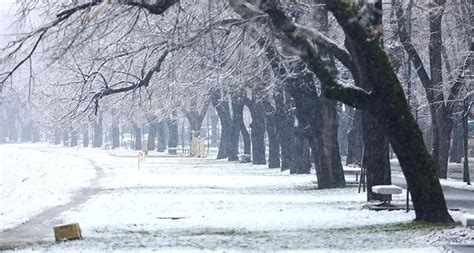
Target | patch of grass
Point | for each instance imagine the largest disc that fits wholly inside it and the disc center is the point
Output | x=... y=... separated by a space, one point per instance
x=224 y=232
x=399 y=227
x=315 y=187
x=416 y=225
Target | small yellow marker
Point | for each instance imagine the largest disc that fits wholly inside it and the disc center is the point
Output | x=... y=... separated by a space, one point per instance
x=141 y=157
x=67 y=232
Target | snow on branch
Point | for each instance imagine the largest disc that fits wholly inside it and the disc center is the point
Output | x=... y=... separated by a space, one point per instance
x=107 y=91
x=321 y=40
x=300 y=41
x=409 y=47
x=250 y=11
x=155 y=7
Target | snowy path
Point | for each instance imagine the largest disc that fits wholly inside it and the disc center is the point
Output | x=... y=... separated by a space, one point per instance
x=189 y=204
x=39 y=227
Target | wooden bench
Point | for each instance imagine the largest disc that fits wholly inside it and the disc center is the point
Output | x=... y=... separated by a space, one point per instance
x=467 y=220
x=172 y=151
x=244 y=158
x=387 y=191
x=186 y=150
x=352 y=171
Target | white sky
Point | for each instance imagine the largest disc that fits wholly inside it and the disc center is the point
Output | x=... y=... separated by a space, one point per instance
x=6 y=14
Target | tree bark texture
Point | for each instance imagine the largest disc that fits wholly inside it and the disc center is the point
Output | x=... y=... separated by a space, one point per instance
x=223 y=111
x=137 y=131
x=257 y=111
x=173 y=136
x=161 y=136
x=152 y=131
x=355 y=143
x=98 y=133
x=74 y=138
x=456 y=153
x=115 y=135
x=85 y=138
x=272 y=133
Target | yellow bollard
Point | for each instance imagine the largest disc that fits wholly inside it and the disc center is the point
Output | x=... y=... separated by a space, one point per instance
x=141 y=157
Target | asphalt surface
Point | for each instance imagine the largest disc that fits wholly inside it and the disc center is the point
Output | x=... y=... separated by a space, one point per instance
x=455 y=198
x=460 y=248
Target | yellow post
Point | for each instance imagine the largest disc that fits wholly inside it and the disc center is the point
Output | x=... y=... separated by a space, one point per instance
x=192 y=148
x=141 y=157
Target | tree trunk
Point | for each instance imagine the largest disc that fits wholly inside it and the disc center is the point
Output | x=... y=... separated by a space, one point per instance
x=457 y=146
x=74 y=138
x=66 y=140
x=97 y=133
x=257 y=112
x=376 y=158
x=57 y=137
x=440 y=109
x=12 y=114
x=160 y=132
x=223 y=111
x=115 y=135
x=328 y=160
x=26 y=132
x=318 y=113
x=152 y=130
x=85 y=138
x=36 y=134
x=442 y=127
x=224 y=142
x=354 y=138
x=195 y=119
x=442 y=122
x=302 y=164
x=246 y=138
x=237 y=119
x=214 y=131
x=138 y=137
x=344 y=125
x=285 y=122
x=273 y=143
x=173 y=136
x=389 y=105
x=3 y=126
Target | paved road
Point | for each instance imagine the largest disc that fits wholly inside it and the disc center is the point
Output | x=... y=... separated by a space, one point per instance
x=455 y=198
x=460 y=248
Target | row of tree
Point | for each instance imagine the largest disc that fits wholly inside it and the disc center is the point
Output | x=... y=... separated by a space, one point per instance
x=287 y=62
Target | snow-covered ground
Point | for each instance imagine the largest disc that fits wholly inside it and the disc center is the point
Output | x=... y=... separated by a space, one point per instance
x=191 y=204
x=31 y=180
